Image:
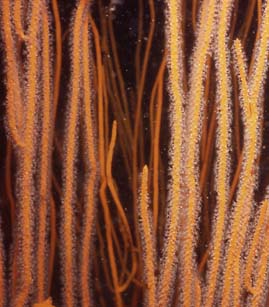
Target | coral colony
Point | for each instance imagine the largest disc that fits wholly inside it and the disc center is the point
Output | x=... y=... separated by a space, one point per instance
x=134 y=159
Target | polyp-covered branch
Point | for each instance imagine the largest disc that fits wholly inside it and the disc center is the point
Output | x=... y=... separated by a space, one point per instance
x=175 y=65
x=202 y=48
x=251 y=103
x=67 y=239
x=223 y=144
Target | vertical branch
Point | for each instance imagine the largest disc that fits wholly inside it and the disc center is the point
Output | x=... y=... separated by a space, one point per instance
x=175 y=64
x=148 y=242
x=223 y=146
x=90 y=185
x=251 y=103
x=156 y=143
x=195 y=108
x=56 y=91
x=68 y=244
x=26 y=162
x=45 y=160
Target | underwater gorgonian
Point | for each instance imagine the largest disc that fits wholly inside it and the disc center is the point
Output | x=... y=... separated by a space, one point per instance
x=134 y=153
